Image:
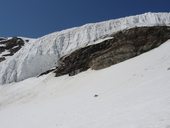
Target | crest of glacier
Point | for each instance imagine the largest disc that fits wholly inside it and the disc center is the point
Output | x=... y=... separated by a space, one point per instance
x=42 y=54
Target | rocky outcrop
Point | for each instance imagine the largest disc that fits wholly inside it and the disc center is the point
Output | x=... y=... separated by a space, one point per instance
x=124 y=45
x=9 y=47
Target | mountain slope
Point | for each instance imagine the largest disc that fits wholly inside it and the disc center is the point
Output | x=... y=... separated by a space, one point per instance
x=44 y=53
x=131 y=94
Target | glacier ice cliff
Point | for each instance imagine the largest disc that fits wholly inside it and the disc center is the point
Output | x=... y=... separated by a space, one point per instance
x=43 y=53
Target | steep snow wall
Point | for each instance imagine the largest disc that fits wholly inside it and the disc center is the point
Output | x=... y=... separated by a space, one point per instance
x=44 y=53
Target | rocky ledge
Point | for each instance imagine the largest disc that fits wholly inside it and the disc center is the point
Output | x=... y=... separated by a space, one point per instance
x=9 y=47
x=124 y=45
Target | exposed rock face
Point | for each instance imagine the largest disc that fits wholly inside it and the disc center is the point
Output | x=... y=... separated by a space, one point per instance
x=124 y=45
x=9 y=47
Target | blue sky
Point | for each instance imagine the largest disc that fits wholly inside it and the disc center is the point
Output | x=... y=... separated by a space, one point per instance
x=35 y=18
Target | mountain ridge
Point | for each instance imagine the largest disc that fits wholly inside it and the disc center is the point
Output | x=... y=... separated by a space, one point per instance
x=108 y=94
x=43 y=53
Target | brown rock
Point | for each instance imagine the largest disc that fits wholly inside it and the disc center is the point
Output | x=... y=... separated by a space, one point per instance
x=124 y=45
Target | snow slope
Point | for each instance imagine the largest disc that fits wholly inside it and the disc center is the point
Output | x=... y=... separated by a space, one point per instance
x=131 y=94
x=44 y=53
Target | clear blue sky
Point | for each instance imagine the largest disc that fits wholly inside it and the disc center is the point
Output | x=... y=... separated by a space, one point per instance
x=35 y=18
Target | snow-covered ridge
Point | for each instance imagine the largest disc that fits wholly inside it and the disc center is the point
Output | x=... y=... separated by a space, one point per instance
x=44 y=53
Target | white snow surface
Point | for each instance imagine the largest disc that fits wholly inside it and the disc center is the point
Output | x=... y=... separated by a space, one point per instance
x=131 y=94
x=44 y=53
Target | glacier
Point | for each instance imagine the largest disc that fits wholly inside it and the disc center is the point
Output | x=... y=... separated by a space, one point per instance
x=43 y=53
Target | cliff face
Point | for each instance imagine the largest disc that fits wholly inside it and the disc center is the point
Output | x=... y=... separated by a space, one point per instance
x=124 y=45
